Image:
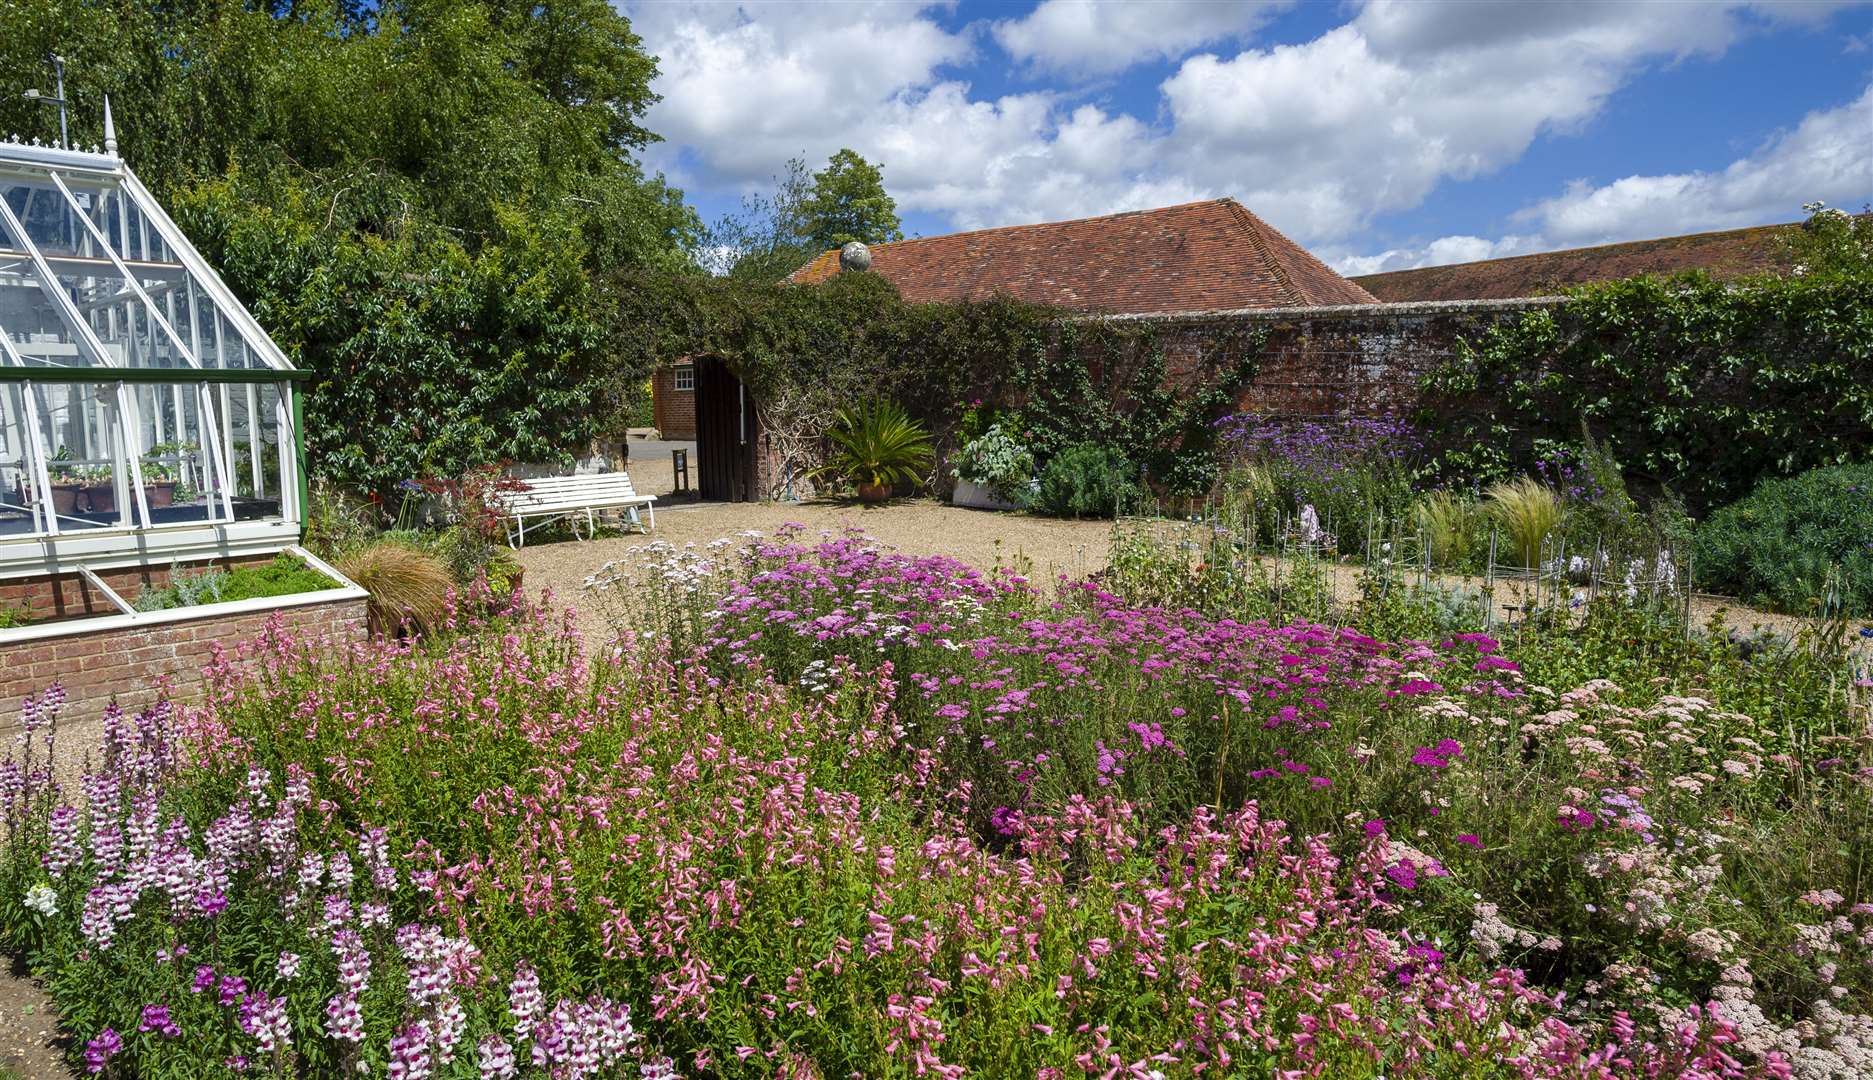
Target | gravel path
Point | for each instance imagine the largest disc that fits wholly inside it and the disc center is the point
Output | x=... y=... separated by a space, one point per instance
x=1039 y=547
x=29 y=1029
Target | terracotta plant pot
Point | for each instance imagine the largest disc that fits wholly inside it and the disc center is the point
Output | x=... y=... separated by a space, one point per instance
x=100 y=498
x=873 y=493
x=160 y=493
x=64 y=498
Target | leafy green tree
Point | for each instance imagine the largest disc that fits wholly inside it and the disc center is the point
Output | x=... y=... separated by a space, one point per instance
x=426 y=202
x=848 y=203
x=774 y=235
x=766 y=240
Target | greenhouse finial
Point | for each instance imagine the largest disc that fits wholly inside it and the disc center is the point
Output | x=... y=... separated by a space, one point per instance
x=110 y=129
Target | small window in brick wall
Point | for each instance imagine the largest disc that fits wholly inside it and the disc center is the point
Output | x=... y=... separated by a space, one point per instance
x=685 y=377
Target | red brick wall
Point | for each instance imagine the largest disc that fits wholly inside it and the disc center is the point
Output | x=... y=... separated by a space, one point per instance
x=66 y=596
x=673 y=410
x=1341 y=361
x=125 y=663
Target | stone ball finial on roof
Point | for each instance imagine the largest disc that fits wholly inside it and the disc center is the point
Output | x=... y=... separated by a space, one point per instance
x=855 y=256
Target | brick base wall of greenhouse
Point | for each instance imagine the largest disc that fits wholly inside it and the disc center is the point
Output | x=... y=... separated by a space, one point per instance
x=128 y=663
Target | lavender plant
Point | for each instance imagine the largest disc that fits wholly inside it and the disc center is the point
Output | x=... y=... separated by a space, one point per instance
x=1354 y=472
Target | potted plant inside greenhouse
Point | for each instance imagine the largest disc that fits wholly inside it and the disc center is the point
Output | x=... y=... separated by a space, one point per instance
x=65 y=483
x=162 y=473
x=98 y=490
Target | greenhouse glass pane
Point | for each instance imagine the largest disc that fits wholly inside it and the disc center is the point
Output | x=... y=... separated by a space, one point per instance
x=42 y=210
x=84 y=454
x=21 y=502
x=107 y=254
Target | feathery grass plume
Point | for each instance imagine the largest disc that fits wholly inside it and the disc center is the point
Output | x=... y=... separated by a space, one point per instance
x=1256 y=482
x=1451 y=524
x=1529 y=510
x=404 y=582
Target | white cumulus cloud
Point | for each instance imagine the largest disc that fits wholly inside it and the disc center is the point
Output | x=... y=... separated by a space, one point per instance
x=1088 y=37
x=1322 y=137
x=1828 y=156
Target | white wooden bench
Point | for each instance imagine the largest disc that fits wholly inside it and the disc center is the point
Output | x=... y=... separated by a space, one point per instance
x=569 y=498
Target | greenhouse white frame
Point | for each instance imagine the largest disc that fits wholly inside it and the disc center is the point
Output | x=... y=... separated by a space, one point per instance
x=145 y=416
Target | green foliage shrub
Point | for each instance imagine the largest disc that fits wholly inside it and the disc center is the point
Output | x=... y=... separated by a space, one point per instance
x=1087 y=481
x=1777 y=545
x=998 y=461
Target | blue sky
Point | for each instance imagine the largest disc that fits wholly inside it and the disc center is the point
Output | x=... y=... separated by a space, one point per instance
x=1381 y=135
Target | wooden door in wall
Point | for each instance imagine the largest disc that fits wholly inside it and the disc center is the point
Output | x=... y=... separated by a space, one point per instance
x=725 y=434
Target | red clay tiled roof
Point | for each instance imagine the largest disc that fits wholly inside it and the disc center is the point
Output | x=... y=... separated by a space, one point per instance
x=1201 y=256
x=1729 y=254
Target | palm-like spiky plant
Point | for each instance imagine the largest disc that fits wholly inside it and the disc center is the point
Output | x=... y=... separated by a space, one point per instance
x=879 y=445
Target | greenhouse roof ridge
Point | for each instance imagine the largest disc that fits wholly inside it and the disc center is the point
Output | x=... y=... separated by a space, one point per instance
x=37 y=153
x=79 y=227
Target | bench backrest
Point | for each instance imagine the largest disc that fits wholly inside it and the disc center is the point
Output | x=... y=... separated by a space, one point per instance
x=547 y=491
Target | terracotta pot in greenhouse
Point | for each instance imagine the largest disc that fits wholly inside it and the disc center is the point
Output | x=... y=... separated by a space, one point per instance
x=160 y=493
x=100 y=498
x=64 y=498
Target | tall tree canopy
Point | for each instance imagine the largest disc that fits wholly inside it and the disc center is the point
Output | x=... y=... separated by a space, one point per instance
x=772 y=236
x=421 y=199
x=849 y=203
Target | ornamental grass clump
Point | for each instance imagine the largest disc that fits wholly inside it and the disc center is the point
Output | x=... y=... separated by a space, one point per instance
x=407 y=584
x=1529 y=512
x=1453 y=527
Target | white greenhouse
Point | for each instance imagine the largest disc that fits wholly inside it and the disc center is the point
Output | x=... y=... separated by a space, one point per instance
x=145 y=418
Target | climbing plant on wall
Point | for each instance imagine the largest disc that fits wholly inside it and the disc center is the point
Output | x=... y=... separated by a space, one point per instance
x=1694 y=385
x=806 y=351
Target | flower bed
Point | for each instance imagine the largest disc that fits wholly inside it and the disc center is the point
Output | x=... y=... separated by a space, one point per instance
x=846 y=812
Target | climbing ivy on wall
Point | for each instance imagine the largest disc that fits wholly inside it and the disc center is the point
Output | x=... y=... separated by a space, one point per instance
x=1696 y=386
x=805 y=351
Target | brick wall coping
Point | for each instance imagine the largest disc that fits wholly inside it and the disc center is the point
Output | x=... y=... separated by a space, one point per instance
x=345 y=589
x=1337 y=311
